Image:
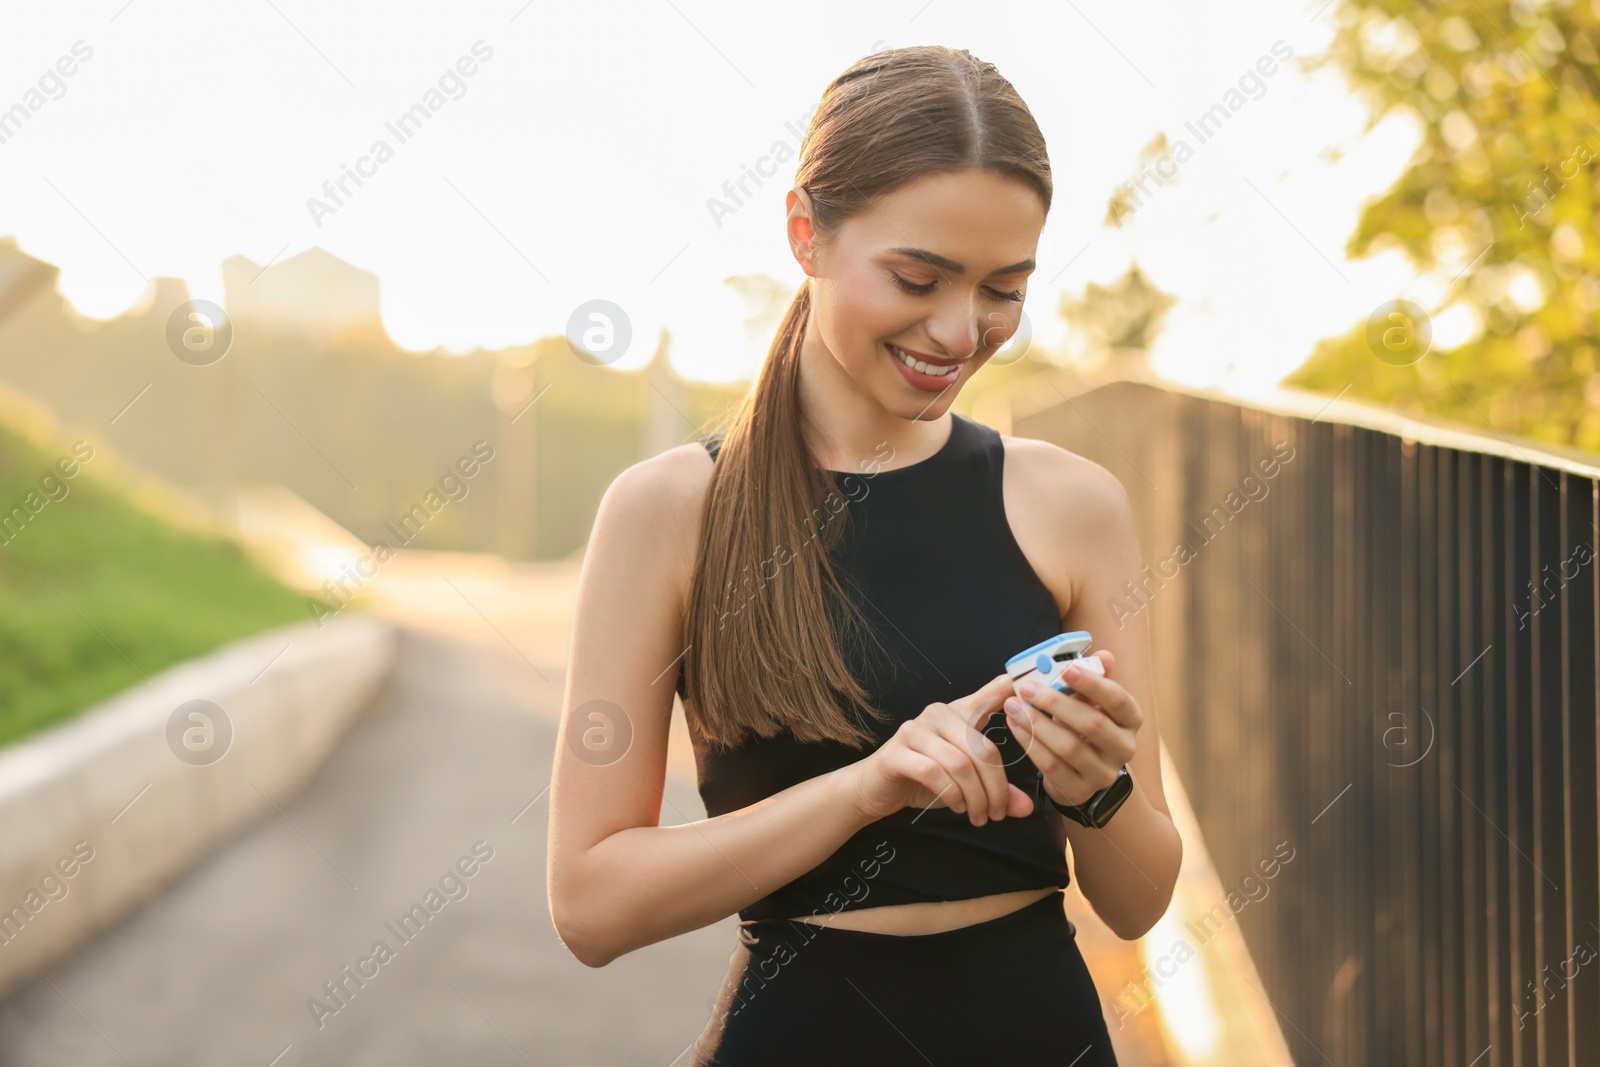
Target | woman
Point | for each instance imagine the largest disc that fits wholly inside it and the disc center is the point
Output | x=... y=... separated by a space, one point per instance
x=835 y=582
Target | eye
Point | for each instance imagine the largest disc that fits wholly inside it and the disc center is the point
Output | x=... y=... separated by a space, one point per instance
x=911 y=287
x=923 y=290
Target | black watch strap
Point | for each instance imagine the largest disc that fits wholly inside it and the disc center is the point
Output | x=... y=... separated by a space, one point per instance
x=1098 y=809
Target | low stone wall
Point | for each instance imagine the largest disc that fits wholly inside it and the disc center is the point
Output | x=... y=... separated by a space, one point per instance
x=98 y=813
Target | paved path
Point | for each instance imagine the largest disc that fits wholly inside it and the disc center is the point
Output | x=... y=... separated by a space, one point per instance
x=219 y=968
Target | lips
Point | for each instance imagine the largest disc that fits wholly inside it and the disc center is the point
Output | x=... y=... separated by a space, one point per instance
x=933 y=383
x=935 y=360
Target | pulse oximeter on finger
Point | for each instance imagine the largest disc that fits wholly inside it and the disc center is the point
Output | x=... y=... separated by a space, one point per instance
x=1044 y=662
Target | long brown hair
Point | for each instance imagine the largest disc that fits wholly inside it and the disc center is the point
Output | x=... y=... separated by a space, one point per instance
x=770 y=656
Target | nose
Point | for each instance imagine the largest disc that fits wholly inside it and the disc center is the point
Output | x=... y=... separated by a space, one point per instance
x=961 y=327
x=955 y=326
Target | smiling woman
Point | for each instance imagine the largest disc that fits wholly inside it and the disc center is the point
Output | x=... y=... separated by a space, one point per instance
x=840 y=716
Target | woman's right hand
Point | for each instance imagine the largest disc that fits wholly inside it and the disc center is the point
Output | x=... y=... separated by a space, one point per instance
x=940 y=759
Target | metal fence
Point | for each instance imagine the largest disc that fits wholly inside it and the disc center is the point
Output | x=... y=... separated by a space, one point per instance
x=1378 y=646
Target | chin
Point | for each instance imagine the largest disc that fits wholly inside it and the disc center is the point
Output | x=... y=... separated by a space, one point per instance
x=930 y=410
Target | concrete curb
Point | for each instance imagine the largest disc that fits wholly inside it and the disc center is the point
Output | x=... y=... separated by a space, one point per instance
x=98 y=813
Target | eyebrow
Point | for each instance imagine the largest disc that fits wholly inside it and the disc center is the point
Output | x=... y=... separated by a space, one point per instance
x=934 y=259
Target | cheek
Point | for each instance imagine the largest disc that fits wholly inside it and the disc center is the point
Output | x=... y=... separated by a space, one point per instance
x=998 y=329
x=858 y=318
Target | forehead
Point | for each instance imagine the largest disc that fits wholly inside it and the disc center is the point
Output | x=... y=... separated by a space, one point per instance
x=978 y=218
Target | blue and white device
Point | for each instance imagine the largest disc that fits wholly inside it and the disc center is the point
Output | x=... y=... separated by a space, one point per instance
x=1044 y=662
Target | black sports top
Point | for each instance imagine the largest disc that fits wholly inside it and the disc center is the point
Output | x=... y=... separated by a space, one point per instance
x=930 y=546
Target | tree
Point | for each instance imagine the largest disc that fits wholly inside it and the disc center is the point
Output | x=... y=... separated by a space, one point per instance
x=1116 y=324
x=1497 y=204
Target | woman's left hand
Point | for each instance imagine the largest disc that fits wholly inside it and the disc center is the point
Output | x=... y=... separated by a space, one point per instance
x=1080 y=742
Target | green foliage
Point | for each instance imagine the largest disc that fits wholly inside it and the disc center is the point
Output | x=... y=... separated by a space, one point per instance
x=1128 y=314
x=1498 y=202
x=96 y=595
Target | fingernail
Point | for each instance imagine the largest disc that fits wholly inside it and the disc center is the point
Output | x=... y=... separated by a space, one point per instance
x=1072 y=672
x=1027 y=690
x=1013 y=706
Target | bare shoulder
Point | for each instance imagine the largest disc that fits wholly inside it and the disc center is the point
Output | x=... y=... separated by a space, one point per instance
x=1062 y=479
x=656 y=506
x=671 y=480
x=1065 y=511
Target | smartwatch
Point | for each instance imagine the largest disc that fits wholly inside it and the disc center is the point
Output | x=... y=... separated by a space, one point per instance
x=1098 y=809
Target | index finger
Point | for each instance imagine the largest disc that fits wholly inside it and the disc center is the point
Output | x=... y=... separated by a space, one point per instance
x=975 y=707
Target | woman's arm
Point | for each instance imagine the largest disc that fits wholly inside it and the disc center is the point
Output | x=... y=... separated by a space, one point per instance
x=1083 y=525
x=616 y=879
x=1127 y=870
x=645 y=884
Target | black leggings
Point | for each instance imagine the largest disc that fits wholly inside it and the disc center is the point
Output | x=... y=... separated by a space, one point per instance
x=1010 y=990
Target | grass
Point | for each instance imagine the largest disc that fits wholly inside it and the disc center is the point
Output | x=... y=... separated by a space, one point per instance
x=97 y=594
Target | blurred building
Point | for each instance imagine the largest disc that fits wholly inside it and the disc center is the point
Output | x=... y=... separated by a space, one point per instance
x=314 y=291
x=20 y=275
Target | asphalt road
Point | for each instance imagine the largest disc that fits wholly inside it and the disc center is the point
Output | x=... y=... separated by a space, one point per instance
x=219 y=968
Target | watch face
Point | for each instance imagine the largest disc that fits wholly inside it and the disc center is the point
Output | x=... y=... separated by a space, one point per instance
x=1106 y=804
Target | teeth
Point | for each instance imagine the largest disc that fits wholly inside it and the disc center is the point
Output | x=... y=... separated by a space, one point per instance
x=925 y=368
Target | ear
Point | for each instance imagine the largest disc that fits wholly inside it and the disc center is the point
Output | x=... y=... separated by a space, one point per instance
x=801 y=233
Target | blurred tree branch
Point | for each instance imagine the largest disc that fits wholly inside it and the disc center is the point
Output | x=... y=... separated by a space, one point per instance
x=1497 y=208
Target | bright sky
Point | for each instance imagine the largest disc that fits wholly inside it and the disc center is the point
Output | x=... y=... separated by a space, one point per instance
x=577 y=160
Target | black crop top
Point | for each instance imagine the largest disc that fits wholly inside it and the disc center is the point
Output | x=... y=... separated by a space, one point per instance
x=931 y=547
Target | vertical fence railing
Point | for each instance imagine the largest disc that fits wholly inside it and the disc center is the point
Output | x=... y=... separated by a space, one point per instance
x=1384 y=651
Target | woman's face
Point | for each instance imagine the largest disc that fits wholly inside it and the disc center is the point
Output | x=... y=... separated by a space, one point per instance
x=937 y=270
